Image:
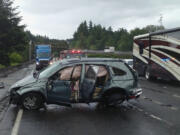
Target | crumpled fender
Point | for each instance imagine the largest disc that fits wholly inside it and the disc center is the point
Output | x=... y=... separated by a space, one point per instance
x=40 y=90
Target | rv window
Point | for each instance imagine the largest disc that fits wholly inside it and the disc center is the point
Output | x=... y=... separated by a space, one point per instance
x=170 y=53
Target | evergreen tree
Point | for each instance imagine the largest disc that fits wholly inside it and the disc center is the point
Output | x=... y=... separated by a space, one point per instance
x=12 y=35
x=97 y=37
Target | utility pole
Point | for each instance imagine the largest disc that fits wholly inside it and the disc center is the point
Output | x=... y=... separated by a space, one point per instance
x=161 y=19
x=30 y=46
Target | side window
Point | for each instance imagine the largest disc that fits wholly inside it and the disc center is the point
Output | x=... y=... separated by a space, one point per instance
x=118 y=72
x=65 y=74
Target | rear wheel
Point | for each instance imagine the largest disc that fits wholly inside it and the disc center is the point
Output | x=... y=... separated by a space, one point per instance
x=32 y=101
x=114 y=99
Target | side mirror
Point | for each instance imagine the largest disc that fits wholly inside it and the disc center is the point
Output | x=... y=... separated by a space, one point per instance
x=50 y=85
x=35 y=74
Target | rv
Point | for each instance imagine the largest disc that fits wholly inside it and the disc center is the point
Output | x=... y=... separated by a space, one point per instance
x=157 y=54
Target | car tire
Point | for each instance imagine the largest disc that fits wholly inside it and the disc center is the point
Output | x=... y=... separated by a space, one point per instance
x=115 y=99
x=148 y=76
x=32 y=101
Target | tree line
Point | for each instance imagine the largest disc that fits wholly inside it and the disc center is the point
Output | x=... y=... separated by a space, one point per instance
x=97 y=37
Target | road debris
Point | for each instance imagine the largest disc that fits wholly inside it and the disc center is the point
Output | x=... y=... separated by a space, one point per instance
x=1 y=84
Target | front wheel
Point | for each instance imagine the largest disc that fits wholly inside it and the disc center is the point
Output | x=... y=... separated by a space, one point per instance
x=32 y=101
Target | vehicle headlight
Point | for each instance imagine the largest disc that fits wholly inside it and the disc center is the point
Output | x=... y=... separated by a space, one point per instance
x=37 y=63
x=13 y=90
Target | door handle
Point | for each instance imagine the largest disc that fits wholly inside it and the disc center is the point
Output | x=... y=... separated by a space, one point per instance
x=65 y=83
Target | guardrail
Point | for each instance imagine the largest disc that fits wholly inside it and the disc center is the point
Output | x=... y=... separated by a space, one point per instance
x=102 y=52
x=5 y=71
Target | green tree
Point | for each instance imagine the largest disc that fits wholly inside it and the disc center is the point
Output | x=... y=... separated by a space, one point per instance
x=12 y=35
x=97 y=37
x=153 y=28
x=15 y=58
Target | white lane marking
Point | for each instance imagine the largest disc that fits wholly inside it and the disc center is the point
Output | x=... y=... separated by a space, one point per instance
x=155 y=117
x=139 y=109
x=157 y=102
x=151 y=115
x=177 y=96
x=174 y=108
x=17 y=123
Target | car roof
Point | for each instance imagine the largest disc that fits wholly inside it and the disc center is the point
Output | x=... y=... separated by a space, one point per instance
x=79 y=60
x=96 y=60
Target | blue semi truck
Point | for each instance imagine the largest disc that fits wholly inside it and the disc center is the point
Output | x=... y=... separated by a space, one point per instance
x=43 y=56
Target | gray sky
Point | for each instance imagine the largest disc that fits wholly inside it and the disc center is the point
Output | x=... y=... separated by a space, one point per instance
x=60 y=18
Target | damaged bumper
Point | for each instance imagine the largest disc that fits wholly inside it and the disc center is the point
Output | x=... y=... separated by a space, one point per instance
x=135 y=93
x=14 y=98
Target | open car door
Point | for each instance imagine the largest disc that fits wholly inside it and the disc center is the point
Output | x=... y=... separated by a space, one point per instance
x=88 y=84
x=61 y=87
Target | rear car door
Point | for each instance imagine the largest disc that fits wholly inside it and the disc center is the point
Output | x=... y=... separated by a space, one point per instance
x=88 y=84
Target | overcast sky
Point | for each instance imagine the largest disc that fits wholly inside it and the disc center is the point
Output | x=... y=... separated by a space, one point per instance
x=60 y=18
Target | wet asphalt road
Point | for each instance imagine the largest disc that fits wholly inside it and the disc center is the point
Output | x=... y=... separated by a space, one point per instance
x=156 y=112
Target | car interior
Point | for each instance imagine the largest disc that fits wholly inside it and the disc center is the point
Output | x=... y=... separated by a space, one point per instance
x=101 y=79
x=73 y=74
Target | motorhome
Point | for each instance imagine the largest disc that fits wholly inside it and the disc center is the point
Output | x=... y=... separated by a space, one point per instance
x=157 y=54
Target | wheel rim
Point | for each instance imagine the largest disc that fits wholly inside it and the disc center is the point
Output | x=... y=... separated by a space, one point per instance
x=30 y=102
x=115 y=102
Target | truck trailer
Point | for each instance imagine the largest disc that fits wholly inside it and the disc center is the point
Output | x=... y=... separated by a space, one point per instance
x=43 y=56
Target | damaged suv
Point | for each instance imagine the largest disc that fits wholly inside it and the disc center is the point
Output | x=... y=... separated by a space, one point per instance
x=107 y=81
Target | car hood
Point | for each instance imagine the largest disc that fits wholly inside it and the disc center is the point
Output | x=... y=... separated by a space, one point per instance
x=27 y=81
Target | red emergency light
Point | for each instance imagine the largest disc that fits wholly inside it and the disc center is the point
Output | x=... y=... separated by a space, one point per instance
x=75 y=51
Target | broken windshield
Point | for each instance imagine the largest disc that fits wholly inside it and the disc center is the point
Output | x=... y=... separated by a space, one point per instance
x=49 y=70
